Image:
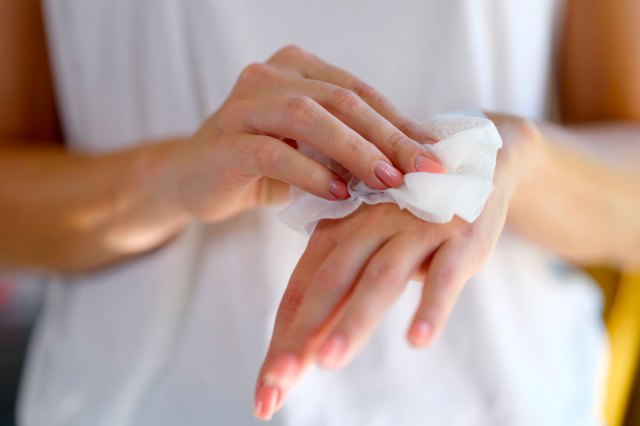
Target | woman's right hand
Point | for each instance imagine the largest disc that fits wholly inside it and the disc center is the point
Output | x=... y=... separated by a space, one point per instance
x=245 y=155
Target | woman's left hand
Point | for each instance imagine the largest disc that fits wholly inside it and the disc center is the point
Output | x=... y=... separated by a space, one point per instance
x=355 y=268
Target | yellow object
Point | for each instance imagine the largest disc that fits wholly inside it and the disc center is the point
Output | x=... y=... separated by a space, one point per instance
x=623 y=323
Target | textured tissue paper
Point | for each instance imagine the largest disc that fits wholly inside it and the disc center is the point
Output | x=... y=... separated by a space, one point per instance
x=467 y=148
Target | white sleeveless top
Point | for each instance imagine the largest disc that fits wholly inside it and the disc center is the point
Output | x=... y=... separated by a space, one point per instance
x=176 y=336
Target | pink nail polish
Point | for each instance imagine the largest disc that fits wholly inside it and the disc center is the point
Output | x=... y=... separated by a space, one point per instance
x=338 y=189
x=388 y=174
x=267 y=398
x=422 y=163
x=420 y=333
x=332 y=352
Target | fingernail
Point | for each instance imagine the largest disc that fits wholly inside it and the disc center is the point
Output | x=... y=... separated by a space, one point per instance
x=422 y=163
x=266 y=400
x=332 y=352
x=388 y=174
x=338 y=189
x=420 y=333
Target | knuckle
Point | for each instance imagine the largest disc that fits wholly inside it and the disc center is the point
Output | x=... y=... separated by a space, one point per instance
x=476 y=245
x=309 y=177
x=329 y=278
x=327 y=233
x=266 y=155
x=357 y=151
x=396 y=142
x=384 y=271
x=290 y=51
x=313 y=176
x=290 y=303
x=234 y=110
x=415 y=131
x=384 y=213
x=301 y=109
x=255 y=72
x=378 y=215
x=345 y=99
x=467 y=234
x=367 y=92
x=445 y=277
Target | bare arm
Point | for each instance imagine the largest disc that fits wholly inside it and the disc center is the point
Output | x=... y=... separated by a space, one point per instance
x=58 y=210
x=582 y=195
x=580 y=203
x=71 y=212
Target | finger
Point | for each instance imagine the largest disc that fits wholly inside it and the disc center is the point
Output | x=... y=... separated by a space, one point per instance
x=275 y=159
x=278 y=366
x=297 y=62
x=302 y=63
x=320 y=245
x=380 y=103
x=319 y=302
x=352 y=110
x=377 y=101
x=381 y=283
x=450 y=268
x=330 y=285
x=301 y=118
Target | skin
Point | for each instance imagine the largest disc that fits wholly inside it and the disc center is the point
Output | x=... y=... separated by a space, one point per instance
x=103 y=209
x=552 y=184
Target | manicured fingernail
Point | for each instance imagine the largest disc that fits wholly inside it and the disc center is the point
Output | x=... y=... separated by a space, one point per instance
x=332 y=352
x=267 y=398
x=422 y=163
x=420 y=333
x=282 y=371
x=338 y=189
x=388 y=174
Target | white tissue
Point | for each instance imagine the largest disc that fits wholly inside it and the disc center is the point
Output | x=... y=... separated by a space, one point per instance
x=467 y=148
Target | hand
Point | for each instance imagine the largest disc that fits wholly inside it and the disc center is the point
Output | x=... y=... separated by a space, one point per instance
x=355 y=268
x=244 y=155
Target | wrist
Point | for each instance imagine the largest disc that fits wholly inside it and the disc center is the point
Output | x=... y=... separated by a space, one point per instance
x=155 y=174
x=521 y=151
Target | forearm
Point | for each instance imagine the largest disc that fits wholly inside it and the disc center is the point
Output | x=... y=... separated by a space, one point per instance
x=580 y=202
x=69 y=212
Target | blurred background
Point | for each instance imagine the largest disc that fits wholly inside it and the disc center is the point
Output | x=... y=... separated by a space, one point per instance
x=20 y=301
x=21 y=298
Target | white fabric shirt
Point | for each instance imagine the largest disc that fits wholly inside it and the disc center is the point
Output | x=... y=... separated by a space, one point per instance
x=176 y=336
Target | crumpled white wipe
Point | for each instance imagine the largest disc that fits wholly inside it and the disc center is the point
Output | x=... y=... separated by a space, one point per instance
x=467 y=148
